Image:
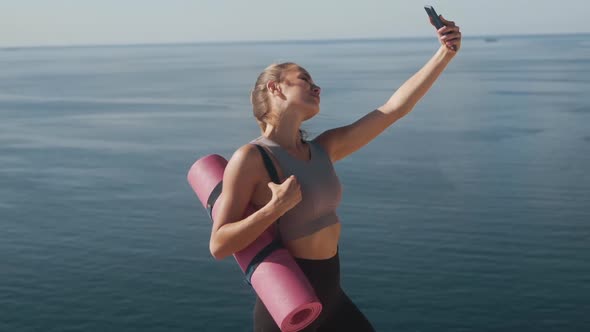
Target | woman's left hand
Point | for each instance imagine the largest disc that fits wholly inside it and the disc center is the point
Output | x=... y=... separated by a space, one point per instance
x=449 y=35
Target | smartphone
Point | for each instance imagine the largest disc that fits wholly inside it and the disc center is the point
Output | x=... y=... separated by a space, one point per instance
x=432 y=13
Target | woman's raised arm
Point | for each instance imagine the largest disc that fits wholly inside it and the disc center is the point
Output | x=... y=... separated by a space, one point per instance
x=341 y=142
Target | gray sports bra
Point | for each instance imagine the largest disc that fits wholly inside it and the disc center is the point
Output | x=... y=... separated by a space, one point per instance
x=320 y=188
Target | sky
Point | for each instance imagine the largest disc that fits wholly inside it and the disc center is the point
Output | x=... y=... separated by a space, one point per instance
x=97 y=22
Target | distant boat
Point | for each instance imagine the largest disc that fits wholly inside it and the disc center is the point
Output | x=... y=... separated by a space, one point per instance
x=490 y=39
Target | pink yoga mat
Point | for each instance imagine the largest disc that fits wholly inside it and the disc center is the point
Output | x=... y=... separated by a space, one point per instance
x=278 y=280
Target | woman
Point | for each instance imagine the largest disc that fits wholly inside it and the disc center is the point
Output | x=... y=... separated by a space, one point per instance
x=284 y=96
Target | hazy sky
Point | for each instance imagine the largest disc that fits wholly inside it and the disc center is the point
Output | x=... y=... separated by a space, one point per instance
x=67 y=22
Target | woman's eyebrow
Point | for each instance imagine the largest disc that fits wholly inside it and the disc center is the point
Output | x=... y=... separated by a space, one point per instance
x=306 y=75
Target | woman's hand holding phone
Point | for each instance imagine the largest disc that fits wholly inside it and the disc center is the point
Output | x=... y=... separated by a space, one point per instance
x=449 y=34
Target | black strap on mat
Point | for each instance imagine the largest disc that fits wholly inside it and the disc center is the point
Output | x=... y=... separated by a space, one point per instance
x=277 y=242
x=213 y=198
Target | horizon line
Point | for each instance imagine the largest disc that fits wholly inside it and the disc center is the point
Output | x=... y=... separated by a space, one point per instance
x=277 y=41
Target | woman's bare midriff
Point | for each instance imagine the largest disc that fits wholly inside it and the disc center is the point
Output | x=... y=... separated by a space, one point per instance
x=322 y=244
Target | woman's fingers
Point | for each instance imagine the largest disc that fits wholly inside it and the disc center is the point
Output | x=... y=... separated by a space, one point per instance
x=451 y=36
x=446 y=30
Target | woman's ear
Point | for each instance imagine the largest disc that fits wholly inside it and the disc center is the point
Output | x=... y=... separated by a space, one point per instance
x=273 y=87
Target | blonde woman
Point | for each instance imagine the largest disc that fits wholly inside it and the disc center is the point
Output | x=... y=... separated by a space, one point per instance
x=283 y=97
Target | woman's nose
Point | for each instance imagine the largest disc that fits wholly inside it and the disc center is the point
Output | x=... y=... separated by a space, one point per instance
x=316 y=89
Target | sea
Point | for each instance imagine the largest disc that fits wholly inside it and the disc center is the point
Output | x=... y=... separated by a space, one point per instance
x=471 y=213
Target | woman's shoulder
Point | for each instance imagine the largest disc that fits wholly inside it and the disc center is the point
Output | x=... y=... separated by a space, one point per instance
x=247 y=158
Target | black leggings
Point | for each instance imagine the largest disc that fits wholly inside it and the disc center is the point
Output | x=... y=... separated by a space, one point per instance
x=338 y=312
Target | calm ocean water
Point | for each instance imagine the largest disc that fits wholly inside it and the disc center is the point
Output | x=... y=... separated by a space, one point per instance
x=470 y=214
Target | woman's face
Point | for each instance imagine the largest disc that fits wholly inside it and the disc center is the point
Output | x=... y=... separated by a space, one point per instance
x=300 y=92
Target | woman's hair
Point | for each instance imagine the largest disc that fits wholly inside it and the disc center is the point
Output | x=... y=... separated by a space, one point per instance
x=259 y=96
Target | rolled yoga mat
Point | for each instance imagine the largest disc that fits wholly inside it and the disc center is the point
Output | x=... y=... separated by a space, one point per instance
x=278 y=280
